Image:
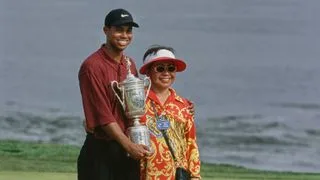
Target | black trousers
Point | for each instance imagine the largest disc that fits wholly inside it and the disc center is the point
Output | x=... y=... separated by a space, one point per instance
x=105 y=160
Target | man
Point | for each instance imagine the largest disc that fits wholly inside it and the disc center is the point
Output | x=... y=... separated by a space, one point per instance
x=104 y=154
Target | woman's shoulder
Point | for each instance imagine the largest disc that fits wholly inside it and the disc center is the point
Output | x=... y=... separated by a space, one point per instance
x=184 y=101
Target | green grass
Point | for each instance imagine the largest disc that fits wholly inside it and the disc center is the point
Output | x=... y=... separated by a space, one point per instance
x=14 y=175
x=27 y=156
x=27 y=160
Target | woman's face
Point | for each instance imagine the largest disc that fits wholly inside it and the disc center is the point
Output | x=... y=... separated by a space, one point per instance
x=162 y=75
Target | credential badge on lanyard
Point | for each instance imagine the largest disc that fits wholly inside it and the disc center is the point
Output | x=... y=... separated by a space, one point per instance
x=163 y=123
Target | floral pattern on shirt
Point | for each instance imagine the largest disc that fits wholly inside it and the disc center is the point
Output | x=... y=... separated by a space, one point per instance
x=181 y=134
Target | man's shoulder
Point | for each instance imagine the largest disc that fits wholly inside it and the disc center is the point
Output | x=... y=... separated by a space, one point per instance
x=92 y=60
x=91 y=63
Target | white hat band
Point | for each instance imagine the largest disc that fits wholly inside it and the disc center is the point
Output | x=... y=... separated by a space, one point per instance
x=162 y=53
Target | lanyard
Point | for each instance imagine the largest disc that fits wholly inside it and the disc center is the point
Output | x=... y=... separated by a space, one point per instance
x=164 y=133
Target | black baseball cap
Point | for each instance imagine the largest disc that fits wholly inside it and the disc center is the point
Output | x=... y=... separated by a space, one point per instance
x=117 y=17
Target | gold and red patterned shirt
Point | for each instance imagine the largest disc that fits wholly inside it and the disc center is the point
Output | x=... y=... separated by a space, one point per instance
x=181 y=134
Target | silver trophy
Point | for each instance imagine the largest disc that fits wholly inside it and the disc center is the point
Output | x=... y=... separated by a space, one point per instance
x=133 y=97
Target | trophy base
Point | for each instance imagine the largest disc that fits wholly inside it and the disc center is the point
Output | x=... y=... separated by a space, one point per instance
x=139 y=135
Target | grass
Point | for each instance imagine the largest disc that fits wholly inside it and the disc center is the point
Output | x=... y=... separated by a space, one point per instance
x=27 y=156
x=14 y=175
x=29 y=160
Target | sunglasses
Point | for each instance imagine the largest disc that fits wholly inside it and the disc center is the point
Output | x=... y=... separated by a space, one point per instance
x=161 y=68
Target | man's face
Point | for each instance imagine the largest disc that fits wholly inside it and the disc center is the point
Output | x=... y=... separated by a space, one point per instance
x=118 y=37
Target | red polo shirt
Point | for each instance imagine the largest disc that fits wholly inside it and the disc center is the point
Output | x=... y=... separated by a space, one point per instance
x=101 y=106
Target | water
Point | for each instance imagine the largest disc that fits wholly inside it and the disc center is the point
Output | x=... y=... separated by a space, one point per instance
x=253 y=72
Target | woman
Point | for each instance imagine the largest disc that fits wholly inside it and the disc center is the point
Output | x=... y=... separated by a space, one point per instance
x=168 y=119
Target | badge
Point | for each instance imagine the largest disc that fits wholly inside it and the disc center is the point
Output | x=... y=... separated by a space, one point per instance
x=163 y=123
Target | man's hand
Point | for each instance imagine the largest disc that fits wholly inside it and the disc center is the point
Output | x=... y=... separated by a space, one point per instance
x=137 y=151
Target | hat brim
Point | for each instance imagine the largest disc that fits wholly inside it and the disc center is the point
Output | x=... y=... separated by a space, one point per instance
x=125 y=22
x=180 y=64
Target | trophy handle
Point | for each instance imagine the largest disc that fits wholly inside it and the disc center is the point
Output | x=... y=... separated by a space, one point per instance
x=149 y=87
x=121 y=91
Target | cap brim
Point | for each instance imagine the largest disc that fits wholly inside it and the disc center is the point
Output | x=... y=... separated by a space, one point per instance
x=180 y=64
x=128 y=22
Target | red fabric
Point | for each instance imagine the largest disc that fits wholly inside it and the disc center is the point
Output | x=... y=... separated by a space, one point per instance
x=181 y=134
x=101 y=107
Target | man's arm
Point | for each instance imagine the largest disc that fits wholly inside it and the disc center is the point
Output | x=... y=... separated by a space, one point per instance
x=97 y=108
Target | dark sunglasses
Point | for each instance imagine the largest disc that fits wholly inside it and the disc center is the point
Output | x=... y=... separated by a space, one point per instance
x=161 y=68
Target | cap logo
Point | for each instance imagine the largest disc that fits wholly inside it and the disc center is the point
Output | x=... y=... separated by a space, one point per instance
x=162 y=53
x=124 y=15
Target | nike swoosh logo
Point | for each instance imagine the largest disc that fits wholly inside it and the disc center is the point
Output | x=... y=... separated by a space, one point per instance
x=124 y=15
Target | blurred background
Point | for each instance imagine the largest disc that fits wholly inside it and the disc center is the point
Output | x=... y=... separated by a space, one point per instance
x=253 y=72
